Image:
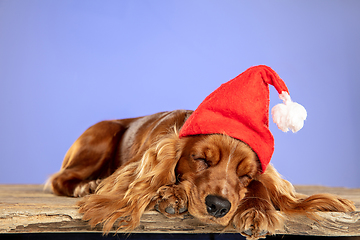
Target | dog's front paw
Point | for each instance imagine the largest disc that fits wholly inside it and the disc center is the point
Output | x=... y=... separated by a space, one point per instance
x=171 y=201
x=256 y=217
x=255 y=224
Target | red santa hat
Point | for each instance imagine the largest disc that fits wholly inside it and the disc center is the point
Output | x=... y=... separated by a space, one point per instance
x=240 y=108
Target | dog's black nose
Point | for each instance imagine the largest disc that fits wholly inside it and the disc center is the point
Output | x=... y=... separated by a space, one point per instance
x=217 y=206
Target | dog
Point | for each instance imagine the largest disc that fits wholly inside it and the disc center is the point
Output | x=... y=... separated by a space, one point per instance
x=123 y=168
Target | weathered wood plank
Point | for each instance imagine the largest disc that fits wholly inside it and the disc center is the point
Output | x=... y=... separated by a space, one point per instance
x=26 y=209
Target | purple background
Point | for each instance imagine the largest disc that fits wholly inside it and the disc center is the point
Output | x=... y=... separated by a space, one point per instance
x=65 y=65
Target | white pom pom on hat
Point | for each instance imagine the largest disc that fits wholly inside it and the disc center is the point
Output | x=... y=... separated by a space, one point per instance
x=288 y=115
x=240 y=108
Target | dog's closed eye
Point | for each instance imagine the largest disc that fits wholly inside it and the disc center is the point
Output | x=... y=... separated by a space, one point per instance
x=201 y=161
x=245 y=179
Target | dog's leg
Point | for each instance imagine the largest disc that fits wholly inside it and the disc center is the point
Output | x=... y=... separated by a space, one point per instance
x=256 y=216
x=91 y=158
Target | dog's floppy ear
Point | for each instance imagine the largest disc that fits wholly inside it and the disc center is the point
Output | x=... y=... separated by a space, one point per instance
x=126 y=194
x=286 y=199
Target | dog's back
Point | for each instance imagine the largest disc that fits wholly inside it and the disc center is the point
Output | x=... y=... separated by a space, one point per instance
x=108 y=145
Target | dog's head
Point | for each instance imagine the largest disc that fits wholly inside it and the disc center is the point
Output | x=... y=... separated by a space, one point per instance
x=215 y=170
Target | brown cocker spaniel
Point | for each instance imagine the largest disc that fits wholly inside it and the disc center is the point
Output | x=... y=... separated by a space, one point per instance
x=125 y=167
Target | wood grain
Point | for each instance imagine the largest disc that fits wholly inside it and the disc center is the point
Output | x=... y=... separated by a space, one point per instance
x=27 y=209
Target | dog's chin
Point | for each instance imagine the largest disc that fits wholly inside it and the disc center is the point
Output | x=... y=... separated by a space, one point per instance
x=208 y=219
x=214 y=221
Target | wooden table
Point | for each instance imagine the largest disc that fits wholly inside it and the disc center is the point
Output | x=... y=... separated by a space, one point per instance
x=28 y=209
